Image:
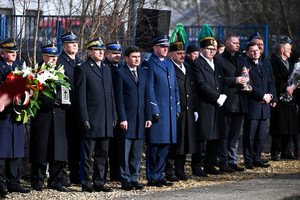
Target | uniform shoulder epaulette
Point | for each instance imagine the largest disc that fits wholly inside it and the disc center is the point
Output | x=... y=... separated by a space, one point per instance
x=79 y=64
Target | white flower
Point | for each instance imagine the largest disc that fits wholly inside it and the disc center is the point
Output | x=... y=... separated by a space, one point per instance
x=61 y=69
x=44 y=75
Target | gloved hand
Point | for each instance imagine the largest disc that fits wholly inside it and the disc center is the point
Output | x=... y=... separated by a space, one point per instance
x=115 y=123
x=57 y=103
x=86 y=126
x=177 y=115
x=155 y=118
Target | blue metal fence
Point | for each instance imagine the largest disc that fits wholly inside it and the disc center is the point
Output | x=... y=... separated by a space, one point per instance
x=221 y=31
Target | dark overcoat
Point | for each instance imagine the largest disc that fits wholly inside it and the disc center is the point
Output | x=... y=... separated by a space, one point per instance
x=261 y=84
x=284 y=119
x=132 y=101
x=186 y=125
x=210 y=84
x=236 y=101
x=11 y=132
x=94 y=98
x=48 y=140
x=164 y=99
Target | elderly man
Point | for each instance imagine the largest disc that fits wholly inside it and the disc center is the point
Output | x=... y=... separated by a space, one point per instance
x=165 y=105
x=94 y=99
x=11 y=132
x=186 y=127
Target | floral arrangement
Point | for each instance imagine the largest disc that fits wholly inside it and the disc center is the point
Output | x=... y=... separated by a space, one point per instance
x=42 y=79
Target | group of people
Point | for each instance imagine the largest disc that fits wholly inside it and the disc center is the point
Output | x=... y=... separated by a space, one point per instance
x=192 y=102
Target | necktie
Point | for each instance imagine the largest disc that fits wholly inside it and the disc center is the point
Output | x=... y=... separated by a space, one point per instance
x=135 y=75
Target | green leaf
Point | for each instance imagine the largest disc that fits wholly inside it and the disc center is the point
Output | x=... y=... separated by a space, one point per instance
x=47 y=93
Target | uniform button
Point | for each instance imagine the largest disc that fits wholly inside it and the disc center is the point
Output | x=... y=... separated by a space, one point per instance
x=192 y=82
x=105 y=91
x=170 y=97
x=169 y=76
x=219 y=76
x=187 y=95
x=187 y=108
x=217 y=88
x=170 y=86
x=171 y=108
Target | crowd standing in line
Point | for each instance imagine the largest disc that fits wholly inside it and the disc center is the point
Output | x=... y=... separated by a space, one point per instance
x=195 y=103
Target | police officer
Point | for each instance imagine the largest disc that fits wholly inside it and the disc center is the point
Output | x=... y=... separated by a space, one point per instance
x=164 y=99
x=69 y=59
x=11 y=132
x=48 y=140
x=94 y=99
x=112 y=59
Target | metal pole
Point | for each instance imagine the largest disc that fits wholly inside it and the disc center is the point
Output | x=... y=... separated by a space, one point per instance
x=59 y=33
x=133 y=16
x=266 y=40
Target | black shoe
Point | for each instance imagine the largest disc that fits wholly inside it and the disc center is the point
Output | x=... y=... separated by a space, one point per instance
x=38 y=188
x=102 y=188
x=183 y=178
x=137 y=185
x=199 y=172
x=127 y=186
x=165 y=183
x=249 y=166
x=172 y=178
x=237 y=167
x=261 y=164
x=59 y=188
x=87 y=189
x=17 y=188
x=213 y=170
x=155 y=183
x=226 y=168
x=65 y=183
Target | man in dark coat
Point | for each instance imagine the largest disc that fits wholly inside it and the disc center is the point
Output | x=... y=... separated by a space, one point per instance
x=212 y=92
x=165 y=105
x=94 y=99
x=69 y=60
x=284 y=120
x=255 y=124
x=235 y=106
x=11 y=132
x=134 y=114
x=186 y=126
x=112 y=59
x=48 y=140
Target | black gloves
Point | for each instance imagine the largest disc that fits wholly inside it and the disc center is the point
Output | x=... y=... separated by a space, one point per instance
x=155 y=118
x=57 y=103
x=115 y=123
x=177 y=115
x=86 y=126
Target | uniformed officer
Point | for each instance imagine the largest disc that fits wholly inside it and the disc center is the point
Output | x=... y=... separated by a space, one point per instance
x=164 y=99
x=112 y=59
x=11 y=132
x=48 y=140
x=69 y=59
x=94 y=99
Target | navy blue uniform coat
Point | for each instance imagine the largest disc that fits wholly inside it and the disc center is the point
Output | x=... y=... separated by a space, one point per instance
x=11 y=132
x=132 y=101
x=210 y=84
x=164 y=99
x=94 y=98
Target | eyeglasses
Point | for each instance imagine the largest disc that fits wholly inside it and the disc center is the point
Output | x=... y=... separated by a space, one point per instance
x=210 y=49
